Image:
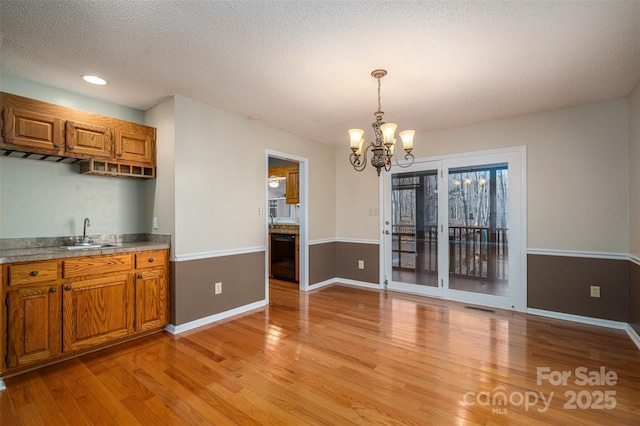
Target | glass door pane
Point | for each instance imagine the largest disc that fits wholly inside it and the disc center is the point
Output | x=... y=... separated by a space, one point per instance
x=414 y=227
x=478 y=229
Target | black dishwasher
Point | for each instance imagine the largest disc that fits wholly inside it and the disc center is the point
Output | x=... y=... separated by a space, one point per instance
x=283 y=256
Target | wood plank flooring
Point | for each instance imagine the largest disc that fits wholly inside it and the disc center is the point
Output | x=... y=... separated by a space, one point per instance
x=342 y=355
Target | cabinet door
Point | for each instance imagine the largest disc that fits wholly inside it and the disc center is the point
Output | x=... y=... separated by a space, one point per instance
x=96 y=311
x=34 y=324
x=33 y=131
x=135 y=146
x=151 y=299
x=293 y=186
x=87 y=140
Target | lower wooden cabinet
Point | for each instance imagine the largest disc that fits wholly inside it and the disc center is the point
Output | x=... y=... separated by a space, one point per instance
x=151 y=299
x=34 y=324
x=80 y=309
x=97 y=311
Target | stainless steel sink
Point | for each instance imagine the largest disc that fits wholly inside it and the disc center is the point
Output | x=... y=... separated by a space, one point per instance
x=87 y=246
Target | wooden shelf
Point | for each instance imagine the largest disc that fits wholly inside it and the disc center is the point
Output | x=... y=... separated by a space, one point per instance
x=112 y=168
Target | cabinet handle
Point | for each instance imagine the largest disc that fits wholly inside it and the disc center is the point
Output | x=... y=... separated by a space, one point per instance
x=52 y=290
x=34 y=273
x=139 y=276
x=68 y=288
x=119 y=154
x=56 y=145
x=70 y=148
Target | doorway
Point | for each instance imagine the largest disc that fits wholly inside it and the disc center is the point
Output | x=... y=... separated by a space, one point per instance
x=286 y=218
x=454 y=228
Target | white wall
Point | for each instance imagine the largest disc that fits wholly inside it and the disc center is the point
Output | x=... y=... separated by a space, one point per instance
x=40 y=199
x=578 y=176
x=219 y=161
x=634 y=172
x=161 y=190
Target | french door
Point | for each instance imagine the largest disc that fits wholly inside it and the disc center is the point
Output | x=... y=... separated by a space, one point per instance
x=453 y=228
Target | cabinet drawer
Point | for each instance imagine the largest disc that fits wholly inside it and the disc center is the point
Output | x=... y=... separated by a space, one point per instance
x=151 y=259
x=96 y=265
x=34 y=272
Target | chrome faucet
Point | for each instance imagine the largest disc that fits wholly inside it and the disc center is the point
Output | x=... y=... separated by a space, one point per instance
x=84 y=231
x=270 y=221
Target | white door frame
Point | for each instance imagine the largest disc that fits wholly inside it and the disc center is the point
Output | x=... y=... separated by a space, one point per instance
x=516 y=157
x=303 y=163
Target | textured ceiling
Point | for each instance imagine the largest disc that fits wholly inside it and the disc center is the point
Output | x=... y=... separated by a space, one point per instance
x=304 y=66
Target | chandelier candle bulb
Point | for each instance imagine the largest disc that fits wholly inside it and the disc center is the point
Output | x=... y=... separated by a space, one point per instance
x=356 y=139
x=388 y=132
x=407 y=139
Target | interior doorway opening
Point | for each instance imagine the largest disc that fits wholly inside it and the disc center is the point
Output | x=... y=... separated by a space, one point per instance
x=286 y=219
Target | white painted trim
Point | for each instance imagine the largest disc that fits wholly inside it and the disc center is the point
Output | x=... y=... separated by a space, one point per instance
x=576 y=253
x=633 y=335
x=357 y=241
x=321 y=284
x=323 y=241
x=618 y=325
x=358 y=283
x=343 y=240
x=579 y=318
x=634 y=259
x=219 y=253
x=177 y=329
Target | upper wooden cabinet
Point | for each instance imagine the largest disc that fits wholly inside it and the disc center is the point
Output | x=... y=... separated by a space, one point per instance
x=90 y=140
x=135 y=146
x=37 y=127
x=33 y=131
x=293 y=185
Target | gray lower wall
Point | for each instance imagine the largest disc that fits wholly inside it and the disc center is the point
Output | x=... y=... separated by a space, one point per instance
x=347 y=256
x=634 y=296
x=340 y=260
x=322 y=262
x=562 y=284
x=192 y=285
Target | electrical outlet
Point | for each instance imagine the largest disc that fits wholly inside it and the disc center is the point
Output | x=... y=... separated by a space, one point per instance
x=595 y=291
x=360 y=264
x=218 y=288
x=155 y=223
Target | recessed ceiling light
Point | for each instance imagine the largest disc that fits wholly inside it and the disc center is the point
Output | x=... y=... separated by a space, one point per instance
x=94 y=79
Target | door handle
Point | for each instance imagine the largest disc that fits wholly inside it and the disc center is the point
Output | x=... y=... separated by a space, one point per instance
x=387 y=232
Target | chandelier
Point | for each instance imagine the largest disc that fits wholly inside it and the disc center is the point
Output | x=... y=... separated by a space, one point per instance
x=383 y=146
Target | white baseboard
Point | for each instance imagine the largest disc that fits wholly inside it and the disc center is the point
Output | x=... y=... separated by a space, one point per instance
x=177 y=329
x=633 y=335
x=357 y=283
x=618 y=325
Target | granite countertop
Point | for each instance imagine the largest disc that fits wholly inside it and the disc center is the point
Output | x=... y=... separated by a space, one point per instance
x=28 y=254
x=284 y=229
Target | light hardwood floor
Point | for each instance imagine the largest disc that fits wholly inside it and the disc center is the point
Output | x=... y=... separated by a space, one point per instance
x=337 y=356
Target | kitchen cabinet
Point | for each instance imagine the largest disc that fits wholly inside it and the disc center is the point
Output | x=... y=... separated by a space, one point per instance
x=293 y=185
x=87 y=140
x=96 y=311
x=107 y=145
x=32 y=131
x=151 y=290
x=60 y=308
x=35 y=321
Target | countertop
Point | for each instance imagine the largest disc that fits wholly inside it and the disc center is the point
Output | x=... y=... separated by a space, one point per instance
x=57 y=252
x=284 y=229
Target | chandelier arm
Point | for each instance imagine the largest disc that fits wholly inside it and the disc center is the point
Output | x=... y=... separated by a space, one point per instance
x=409 y=158
x=359 y=162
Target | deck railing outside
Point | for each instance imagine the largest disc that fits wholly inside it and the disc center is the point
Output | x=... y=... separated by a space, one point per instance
x=474 y=251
